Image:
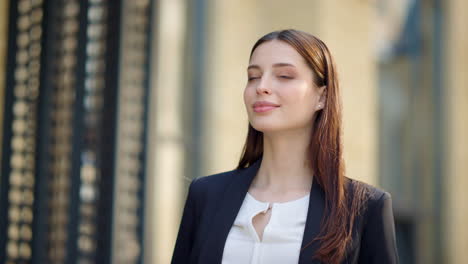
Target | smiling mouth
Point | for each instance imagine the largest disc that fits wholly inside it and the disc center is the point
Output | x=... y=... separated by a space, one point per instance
x=264 y=108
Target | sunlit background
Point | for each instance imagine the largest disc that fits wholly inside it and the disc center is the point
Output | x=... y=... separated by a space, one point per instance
x=108 y=109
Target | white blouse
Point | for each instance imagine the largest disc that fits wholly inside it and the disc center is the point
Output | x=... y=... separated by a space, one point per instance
x=282 y=236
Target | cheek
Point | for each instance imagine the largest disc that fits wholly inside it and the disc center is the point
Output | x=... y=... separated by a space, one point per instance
x=249 y=93
x=300 y=100
x=297 y=94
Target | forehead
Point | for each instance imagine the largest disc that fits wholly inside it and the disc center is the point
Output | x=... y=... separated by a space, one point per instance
x=276 y=51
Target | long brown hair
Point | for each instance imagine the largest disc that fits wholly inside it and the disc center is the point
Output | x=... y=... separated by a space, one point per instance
x=325 y=148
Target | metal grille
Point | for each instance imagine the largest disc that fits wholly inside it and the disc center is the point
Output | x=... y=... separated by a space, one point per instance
x=127 y=245
x=73 y=166
x=64 y=82
x=91 y=160
x=24 y=124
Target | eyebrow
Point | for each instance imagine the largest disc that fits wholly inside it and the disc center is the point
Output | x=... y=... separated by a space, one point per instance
x=276 y=65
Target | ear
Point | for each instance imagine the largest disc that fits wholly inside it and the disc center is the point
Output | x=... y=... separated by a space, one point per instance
x=322 y=91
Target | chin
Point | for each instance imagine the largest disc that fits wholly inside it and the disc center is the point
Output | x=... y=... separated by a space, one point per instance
x=266 y=127
x=271 y=126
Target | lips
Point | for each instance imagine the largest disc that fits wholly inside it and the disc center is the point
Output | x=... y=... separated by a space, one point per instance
x=264 y=106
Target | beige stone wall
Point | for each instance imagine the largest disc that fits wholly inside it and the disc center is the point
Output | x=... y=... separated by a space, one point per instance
x=3 y=47
x=344 y=26
x=455 y=207
x=166 y=181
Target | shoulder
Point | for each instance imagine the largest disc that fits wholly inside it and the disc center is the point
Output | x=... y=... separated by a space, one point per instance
x=214 y=180
x=211 y=185
x=373 y=208
x=373 y=193
x=370 y=195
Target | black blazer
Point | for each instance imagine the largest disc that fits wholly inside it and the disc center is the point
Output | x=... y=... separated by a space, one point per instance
x=214 y=201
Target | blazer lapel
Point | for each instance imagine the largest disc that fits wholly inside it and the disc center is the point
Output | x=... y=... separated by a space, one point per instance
x=212 y=250
x=312 y=226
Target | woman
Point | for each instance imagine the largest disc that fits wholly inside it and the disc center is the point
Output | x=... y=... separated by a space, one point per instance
x=288 y=201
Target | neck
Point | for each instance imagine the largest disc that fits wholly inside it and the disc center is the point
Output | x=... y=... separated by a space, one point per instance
x=285 y=166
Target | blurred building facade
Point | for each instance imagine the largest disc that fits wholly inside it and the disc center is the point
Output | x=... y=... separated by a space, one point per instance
x=173 y=88
x=75 y=86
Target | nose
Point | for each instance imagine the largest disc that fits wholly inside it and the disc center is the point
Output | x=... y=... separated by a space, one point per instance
x=264 y=85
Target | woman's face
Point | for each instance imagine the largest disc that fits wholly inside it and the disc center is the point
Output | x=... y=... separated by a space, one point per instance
x=280 y=93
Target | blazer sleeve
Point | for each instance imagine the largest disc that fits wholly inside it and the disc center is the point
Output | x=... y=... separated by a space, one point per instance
x=186 y=234
x=378 y=243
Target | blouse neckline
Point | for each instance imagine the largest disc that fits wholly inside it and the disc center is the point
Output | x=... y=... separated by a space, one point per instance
x=298 y=200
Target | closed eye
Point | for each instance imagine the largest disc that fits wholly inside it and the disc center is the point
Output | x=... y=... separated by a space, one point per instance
x=285 y=77
x=253 y=78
